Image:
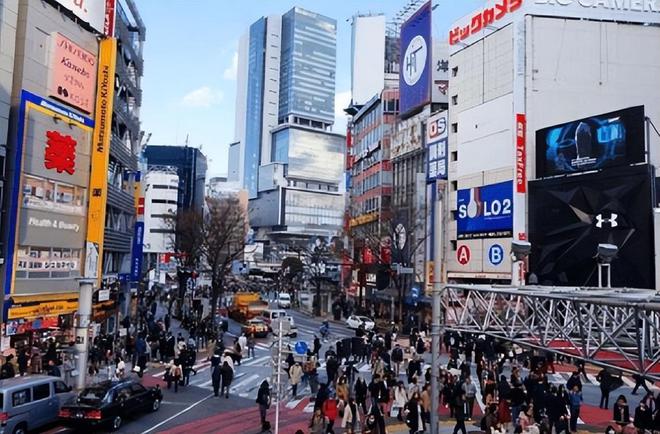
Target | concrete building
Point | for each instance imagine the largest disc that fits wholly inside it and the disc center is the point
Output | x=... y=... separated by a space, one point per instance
x=535 y=72
x=161 y=194
x=287 y=161
x=190 y=164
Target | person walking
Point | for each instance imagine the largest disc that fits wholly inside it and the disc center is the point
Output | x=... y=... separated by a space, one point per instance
x=227 y=375
x=263 y=400
x=575 y=400
x=397 y=359
x=400 y=401
x=242 y=341
x=330 y=410
x=295 y=375
x=318 y=424
x=22 y=361
x=216 y=378
x=414 y=419
x=251 y=344
x=460 y=414
x=351 y=416
x=470 y=392
x=173 y=373
x=360 y=390
x=605 y=380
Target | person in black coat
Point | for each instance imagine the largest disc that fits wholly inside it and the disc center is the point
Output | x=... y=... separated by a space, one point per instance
x=621 y=413
x=555 y=408
x=316 y=346
x=459 y=414
x=227 y=375
x=643 y=418
x=573 y=381
x=216 y=377
x=360 y=389
x=605 y=380
x=413 y=411
x=263 y=400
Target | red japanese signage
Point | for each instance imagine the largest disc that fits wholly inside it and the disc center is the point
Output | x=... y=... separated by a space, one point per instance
x=483 y=19
x=109 y=23
x=521 y=154
x=60 y=153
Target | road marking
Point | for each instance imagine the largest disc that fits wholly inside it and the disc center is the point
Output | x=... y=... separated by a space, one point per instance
x=592 y=378
x=294 y=403
x=309 y=408
x=256 y=361
x=185 y=410
x=249 y=379
x=628 y=382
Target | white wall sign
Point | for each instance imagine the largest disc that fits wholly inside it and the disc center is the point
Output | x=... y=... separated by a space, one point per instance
x=89 y=11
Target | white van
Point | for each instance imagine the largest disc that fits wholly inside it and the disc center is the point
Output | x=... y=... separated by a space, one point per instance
x=269 y=315
x=284 y=300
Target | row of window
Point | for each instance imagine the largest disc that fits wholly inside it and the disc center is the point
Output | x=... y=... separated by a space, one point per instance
x=36 y=393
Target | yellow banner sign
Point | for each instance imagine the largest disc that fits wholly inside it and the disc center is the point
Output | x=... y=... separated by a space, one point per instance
x=98 y=180
x=43 y=309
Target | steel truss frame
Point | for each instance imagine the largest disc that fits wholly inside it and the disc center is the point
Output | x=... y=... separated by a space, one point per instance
x=617 y=328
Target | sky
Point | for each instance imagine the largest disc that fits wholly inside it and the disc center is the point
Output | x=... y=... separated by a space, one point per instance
x=190 y=55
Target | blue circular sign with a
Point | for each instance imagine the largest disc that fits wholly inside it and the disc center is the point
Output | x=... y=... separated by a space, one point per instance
x=496 y=254
x=414 y=292
x=301 y=348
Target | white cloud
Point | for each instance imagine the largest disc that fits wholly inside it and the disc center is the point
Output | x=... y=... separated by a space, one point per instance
x=232 y=71
x=342 y=100
x=203 y=97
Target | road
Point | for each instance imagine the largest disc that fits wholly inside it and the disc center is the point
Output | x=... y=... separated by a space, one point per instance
x=194 y=409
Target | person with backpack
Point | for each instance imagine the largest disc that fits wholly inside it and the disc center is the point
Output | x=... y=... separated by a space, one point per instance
x=227 y=375
x=263 y=400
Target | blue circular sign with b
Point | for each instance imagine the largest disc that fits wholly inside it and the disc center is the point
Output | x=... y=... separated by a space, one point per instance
x=496 y=254
x=301 y=348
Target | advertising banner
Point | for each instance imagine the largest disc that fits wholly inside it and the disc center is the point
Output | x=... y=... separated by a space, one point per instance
x=98 y=181
x=138 y=236
x=90 y=11
x=48 y=198
x=485 y=212
x=521 y=153
x=606 y=140
x=72 y=73
x=440 y=88
x=110 y=16
x=436 y=143
x=416 y=55
x=570 y=216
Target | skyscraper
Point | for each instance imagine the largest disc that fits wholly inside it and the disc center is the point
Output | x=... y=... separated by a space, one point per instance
x=284 y=110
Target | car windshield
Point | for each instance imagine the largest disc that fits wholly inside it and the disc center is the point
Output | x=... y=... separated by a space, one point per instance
x=364 y=318
x=92 y=394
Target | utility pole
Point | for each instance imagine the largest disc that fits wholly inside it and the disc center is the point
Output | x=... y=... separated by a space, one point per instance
x=82 y=328
x=437 y=308
x=278 y=375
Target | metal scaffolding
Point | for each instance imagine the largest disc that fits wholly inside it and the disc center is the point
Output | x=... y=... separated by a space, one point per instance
x=613 y=328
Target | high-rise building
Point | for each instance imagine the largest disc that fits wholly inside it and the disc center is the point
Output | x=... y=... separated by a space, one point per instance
x=190 y=166
x=161 y=194
x=286 y=159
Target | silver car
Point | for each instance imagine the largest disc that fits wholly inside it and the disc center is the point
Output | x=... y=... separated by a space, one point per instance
x=28 y=403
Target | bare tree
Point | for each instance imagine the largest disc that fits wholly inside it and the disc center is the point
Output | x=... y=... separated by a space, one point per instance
x=390 y=242
x=212 y=240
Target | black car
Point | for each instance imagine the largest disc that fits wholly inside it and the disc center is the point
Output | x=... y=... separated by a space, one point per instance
x=109 y=403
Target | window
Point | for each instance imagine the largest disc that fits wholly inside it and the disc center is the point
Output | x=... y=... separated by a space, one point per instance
x=41 y=391
x=454 y=127
x=20 y=397
x=123 y=393
x=136 y=389
x=454 y=156
x=60 y=387
x=454 y=100
x=454 y=71
x=454 y=185
x=454 y=245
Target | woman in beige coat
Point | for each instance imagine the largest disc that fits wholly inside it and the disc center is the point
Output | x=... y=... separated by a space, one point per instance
x=351 y=417
x=295 y=375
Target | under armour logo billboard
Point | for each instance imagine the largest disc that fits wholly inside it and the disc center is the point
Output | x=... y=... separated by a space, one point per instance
x=612 y=220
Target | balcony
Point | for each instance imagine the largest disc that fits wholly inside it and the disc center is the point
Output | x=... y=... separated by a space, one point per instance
x=119 y=150
x=117 y=241
x=126 y=80
x=123 y=115
x=121 y=200
x=126 y=38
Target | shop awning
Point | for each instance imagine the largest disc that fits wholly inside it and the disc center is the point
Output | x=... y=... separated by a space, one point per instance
x=39 y=298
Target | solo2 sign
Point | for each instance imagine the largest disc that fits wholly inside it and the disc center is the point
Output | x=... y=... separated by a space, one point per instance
x=485 y=212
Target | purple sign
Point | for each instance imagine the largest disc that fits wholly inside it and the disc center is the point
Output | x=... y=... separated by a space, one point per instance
x=416 y=54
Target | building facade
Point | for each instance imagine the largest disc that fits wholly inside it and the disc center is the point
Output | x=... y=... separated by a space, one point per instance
x=526 y=111
x=161 y=194
x=288 y=162
x=190 y=165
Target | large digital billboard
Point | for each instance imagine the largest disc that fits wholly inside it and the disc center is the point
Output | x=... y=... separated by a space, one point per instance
x=606 y=140
x=416 y=55
x=570 y=216
x=485 y=212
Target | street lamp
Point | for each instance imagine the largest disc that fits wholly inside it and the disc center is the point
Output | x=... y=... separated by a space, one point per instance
x=605 y=253
x=520 y=250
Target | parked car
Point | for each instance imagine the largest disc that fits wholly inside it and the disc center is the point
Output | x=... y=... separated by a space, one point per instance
x=284 y=300
x=255 y=326
x=29 y=403
x=355 y=321
x=109 y=403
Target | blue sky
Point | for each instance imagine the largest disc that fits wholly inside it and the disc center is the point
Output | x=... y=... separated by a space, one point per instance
x=190 y=80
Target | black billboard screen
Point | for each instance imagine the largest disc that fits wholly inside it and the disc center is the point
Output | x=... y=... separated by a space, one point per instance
x=570 y=216
x=607 y=140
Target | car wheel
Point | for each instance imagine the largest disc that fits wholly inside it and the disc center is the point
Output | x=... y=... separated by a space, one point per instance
x=20 y=429
x=155 y=406
x=116 y=423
